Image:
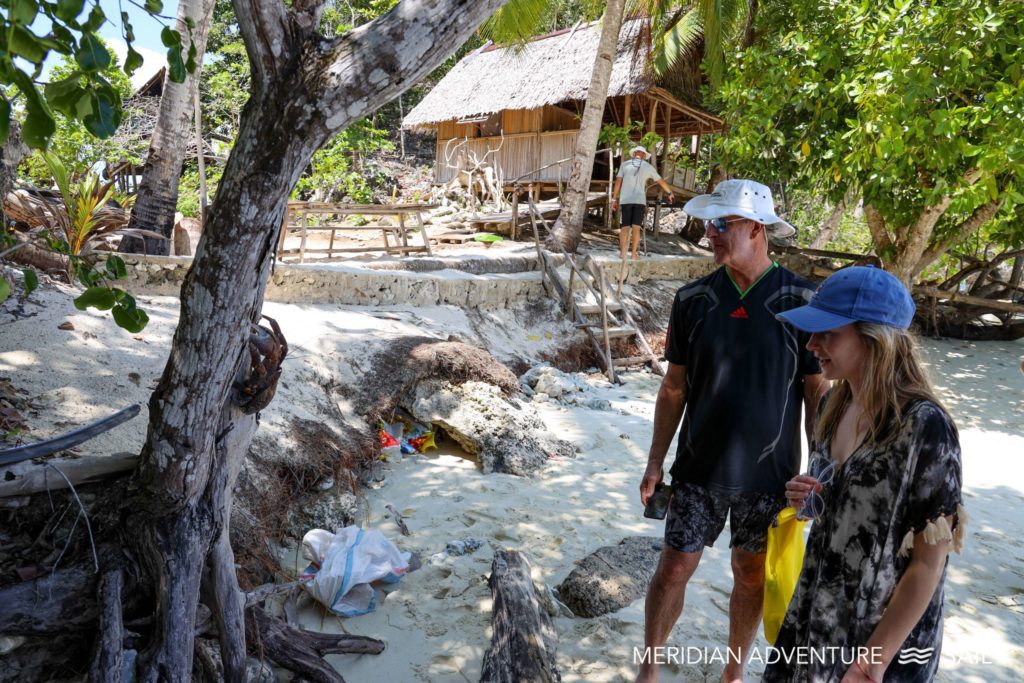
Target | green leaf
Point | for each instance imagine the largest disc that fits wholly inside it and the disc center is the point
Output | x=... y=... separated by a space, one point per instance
x=176 y=67
x=38 y=125
x=5 y=289
x=105 y=116
x=154 y=6
x=132 y=61
x=66 y=38
x=130 y=318
x=92 y=55
x=26 y=44
x=23 y=11
x=68 y=10
x=170 y=38
x=101 y=298
x=115 y=267
x=96 y=19
x=63 y=95
x=31 y=280
x=129 y=32
x=5 y=119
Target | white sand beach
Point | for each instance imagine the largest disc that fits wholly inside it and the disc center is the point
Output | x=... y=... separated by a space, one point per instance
x=436 y=621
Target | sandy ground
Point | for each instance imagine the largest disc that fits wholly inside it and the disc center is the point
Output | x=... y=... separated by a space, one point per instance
x=436 y=621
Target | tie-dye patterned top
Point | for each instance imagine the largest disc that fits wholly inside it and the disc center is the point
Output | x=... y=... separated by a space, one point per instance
x=859 y=548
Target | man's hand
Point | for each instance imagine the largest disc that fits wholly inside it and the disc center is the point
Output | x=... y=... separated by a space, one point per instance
x=671 y=197
x=652 y=476
x=615 y=203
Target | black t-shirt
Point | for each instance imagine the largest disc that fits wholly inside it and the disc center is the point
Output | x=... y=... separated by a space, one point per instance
x=744 y=381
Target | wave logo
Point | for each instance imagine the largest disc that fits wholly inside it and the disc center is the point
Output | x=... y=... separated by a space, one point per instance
x=915 y=655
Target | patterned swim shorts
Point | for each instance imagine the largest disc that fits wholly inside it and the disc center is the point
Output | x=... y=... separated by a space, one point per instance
x=696 y=518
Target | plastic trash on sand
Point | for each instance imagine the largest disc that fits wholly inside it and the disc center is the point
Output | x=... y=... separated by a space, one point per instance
x=346 y=564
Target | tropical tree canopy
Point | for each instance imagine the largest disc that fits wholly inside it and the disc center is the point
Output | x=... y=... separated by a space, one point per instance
x=917 y=107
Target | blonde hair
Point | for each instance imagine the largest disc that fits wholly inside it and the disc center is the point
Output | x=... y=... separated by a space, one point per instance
x=892 y=376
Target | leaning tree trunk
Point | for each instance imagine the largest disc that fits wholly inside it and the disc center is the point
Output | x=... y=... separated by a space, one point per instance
x=158 y=193
x=305 y=89
x=569 y=226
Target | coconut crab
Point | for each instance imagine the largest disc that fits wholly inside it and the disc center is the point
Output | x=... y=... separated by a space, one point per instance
x=255 y=388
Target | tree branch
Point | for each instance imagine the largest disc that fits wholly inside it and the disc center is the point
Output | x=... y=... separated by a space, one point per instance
x=390 y=53
x=876 y=224
x=978 y=218
x=263 y=25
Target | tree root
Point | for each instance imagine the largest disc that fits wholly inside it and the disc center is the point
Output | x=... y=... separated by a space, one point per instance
x=302 y=651
x=108 y=660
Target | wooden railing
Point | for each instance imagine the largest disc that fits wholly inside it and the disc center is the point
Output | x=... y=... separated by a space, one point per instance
x=305 y=219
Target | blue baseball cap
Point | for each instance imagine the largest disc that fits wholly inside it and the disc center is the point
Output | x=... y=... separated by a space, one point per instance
x=857 y=294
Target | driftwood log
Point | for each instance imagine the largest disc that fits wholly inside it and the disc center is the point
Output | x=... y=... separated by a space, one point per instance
x=302 y=651
x=26 y=478
x=524 y=640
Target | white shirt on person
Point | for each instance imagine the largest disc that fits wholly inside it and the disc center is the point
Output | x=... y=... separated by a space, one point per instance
x=636 y=174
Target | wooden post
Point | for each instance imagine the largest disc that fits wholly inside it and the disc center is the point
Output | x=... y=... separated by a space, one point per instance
x=657 y=215
x=515 y=213
x=284 y=231
x=651 y=126
x=625 y=116
x=201 y=159
x=423 y=231
x=302 y=245
x=611 y=183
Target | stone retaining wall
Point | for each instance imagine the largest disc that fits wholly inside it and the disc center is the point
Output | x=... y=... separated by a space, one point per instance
x=337 y=284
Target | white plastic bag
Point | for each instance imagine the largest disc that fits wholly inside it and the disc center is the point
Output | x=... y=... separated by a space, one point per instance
x=344 y=564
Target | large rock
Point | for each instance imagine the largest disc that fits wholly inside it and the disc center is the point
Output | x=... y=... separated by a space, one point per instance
x=611 y=577
x=505 y=434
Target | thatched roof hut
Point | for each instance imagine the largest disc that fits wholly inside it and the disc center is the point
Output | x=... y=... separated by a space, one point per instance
x=528 y=101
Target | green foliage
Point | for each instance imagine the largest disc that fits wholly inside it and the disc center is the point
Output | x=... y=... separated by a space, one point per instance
x=72 y=142
x=86 y=94
x=73 y=231
x=333 y=174
x=188 y=188
x=620 y=138
x=906 y=103
x=520 y=20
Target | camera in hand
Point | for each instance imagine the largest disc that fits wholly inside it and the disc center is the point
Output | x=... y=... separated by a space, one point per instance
x=657 y=504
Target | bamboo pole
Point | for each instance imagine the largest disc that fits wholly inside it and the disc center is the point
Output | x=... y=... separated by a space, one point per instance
x=201 y=160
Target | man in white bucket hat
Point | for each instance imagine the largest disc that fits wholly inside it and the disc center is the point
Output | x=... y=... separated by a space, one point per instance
x=631 y=188
x=737 y=377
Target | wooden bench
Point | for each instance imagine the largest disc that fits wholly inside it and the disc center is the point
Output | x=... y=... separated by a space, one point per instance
x=333 y=220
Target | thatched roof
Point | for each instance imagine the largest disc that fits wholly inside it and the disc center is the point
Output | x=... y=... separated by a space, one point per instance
x=551 y=69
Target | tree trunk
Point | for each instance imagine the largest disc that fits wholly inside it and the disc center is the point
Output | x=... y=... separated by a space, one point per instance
x=158 y=193
x=12 y=151
x=305 y=89
x=569 y=226
x=828 y=229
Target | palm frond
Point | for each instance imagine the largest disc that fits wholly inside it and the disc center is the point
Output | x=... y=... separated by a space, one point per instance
x=517 y=21
x=721 y=20
x=677 y=41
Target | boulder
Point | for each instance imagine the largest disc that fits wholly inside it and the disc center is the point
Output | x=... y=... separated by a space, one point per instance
x=505 y=434
x=611 y=577
x=182 y=243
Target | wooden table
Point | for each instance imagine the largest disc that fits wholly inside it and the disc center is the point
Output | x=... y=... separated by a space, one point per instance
x=335 y=218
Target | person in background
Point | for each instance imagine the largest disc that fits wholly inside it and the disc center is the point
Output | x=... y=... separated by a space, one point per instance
x=885 y=489
x=631 y=188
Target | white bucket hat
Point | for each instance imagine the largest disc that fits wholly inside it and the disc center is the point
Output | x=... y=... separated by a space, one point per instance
x=638 y=148
x=747 y=198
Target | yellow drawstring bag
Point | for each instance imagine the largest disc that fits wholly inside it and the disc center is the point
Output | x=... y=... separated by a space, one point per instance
x=782 y=565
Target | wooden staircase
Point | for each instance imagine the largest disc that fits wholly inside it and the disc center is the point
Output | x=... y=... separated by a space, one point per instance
x=593 y=307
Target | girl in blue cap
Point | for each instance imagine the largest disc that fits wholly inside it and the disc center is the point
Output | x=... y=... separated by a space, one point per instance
x=884 y=489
